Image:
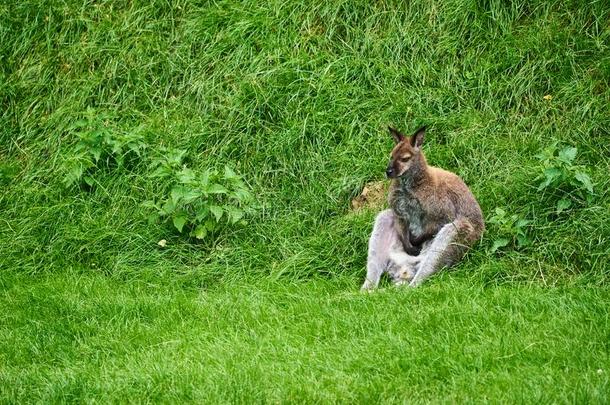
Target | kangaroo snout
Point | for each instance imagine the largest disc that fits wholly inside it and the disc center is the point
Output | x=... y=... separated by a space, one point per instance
x=389 y=172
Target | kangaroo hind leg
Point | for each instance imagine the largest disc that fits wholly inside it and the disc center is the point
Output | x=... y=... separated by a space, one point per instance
x=446 y=249
x=381 y=243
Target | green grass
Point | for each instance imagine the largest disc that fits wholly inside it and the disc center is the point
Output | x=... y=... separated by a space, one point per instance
x=90 y=337
x=295 y=96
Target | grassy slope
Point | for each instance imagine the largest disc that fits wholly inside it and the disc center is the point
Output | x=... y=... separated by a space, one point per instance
x=295 y=96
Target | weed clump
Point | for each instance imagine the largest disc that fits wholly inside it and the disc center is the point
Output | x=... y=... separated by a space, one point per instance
x=198 y=202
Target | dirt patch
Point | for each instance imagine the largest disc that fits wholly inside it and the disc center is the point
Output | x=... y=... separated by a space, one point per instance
x=373 y=195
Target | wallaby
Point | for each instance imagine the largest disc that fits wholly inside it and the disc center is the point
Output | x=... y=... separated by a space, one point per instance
x=433 y=220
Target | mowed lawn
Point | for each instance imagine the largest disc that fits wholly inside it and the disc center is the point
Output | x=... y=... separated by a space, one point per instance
x=295 y=97
x=91 y=338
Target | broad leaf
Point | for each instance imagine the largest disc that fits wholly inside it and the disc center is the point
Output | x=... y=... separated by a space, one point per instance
x=89 y=180
x=230 y=174
x=210 y=225
x=184 y=194
x=522 y=222
x=563 y=204
x=216 y=211
x=96 y=153
x=499 y=243
x=177 y=192
x=585 y=180
x=202 y=213
x=136 y=149
x=200 y=232
x=174 y=157
x=242 y=195
x=191 y=196
x=568 y=154
x=544 y=184
x=500 y=212
x=235 y=214
x=179 y=222
x=186 y=176
x=205 y=178
x=117 y=148
x=75 y=172
x=552 y=173
x=169 y=207
x=217 y=189
x=161 y=171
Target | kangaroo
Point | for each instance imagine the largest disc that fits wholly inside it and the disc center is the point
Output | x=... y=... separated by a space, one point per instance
x=433 y=218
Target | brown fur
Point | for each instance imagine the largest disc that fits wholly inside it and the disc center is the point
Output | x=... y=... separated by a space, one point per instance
x=425 y=199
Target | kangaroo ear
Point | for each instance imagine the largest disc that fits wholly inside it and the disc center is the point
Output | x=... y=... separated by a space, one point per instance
x=417 y=139
x=396 y=134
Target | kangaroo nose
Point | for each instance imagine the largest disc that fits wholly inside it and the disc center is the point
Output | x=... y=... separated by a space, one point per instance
x=389 y=171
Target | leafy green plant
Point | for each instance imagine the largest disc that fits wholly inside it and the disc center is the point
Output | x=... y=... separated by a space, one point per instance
x=568 y=183
x=511 y=230
x=98 y=142
x=198 y=202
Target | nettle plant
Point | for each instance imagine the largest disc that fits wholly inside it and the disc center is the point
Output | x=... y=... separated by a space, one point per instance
x=198 y=202
x=511 y=230
x=567 y=182
x=99 y=143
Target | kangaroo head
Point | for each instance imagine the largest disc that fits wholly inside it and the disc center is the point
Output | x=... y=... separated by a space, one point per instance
x=406 y=153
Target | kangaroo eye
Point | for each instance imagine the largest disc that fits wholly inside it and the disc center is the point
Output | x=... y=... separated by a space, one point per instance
x=405 y=158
